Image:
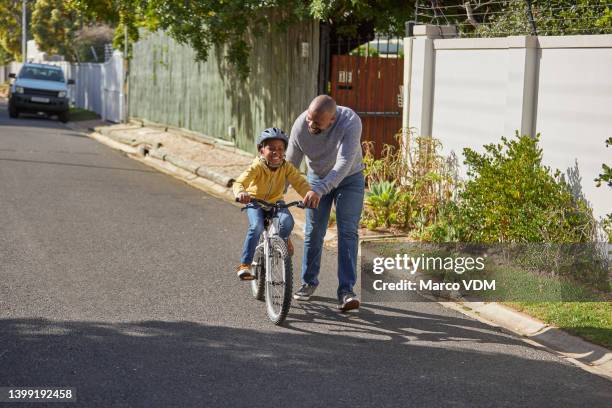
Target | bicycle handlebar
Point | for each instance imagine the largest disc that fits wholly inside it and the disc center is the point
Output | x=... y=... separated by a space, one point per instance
x=298 y=204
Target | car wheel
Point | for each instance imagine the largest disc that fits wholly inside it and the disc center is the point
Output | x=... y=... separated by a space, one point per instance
x=13 y=112
x=63 y=116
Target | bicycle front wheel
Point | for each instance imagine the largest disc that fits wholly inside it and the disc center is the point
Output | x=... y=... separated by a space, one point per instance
x=259 y=271
x=279 y=281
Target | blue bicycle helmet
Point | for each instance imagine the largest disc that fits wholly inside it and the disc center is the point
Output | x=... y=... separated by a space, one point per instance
x=272 y=133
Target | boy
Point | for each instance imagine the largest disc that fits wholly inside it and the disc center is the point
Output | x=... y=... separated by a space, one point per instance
x=266 y=179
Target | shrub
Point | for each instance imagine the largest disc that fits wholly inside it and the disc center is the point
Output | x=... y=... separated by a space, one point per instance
x=511 y=197
x=423 y=178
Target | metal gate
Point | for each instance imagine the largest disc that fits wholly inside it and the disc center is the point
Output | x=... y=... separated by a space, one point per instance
x=368 y=78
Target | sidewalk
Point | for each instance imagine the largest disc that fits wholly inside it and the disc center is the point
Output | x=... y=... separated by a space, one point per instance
x=212 y=166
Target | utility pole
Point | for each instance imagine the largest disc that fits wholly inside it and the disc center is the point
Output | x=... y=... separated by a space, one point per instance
x=24 y=31
x=126 y=65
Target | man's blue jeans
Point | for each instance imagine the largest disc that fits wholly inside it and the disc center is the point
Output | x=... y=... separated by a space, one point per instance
x=348 y=198
x=256 y=227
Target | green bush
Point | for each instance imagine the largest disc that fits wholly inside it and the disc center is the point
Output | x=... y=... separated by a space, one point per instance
x=511 y=197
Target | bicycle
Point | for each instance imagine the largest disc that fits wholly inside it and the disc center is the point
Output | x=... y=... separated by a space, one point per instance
x=272 y=266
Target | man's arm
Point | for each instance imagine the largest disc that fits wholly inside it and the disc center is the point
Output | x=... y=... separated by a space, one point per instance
x=349 y=148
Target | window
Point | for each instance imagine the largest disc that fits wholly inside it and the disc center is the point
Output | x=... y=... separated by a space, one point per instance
x=42 y=73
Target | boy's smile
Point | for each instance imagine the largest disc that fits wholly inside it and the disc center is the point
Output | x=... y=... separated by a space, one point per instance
x=274 y=151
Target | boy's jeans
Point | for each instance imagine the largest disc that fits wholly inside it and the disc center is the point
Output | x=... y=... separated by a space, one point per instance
x=256 y=227
x=348 y=197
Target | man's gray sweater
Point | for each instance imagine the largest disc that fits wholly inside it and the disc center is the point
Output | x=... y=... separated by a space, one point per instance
x=331 y=155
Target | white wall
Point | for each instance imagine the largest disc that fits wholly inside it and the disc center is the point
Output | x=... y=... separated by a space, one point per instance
x=469 y=104
x=574 y=111
x=481 y=89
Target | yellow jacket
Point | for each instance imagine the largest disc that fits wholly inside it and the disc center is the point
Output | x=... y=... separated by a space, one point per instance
x=262 y=183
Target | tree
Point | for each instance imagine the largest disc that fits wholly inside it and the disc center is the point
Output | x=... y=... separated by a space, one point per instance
x=228 y=24
x=554 y=17
x=5 y=57
x=495 y=18
x=95 y=36
x=118 y=14
x=10 y=25
x=54 y=28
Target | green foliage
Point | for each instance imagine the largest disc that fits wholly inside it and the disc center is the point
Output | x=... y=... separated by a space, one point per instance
x=590 y=320
x=365 y=50
x=54 y=28
x=10 y=26
x=332 y=218
x=511 y=197
x=606 y=177
x=381 y=199
x=229 y=24
x=606 y=225
x=134 y=14
x=5 y=57
x=510 y=17
x=606 y=174
x=552 y=17
x=385 y=16
x=425 y=182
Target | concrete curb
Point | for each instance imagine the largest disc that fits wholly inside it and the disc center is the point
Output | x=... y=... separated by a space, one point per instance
x=191 y=135
x=591 y=357
x=117 y=133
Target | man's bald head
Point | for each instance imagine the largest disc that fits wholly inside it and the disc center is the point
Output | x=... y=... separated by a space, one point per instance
x=322 y=103
x=321 y=113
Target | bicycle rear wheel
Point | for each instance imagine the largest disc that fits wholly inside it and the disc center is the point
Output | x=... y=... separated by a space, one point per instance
x=279 y=281
x=258 y=285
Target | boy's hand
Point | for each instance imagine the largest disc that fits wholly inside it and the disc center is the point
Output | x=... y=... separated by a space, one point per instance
x=311 y=199
x=244 y=198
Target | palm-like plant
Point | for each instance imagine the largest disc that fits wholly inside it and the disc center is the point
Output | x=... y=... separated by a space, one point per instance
x=381 y=198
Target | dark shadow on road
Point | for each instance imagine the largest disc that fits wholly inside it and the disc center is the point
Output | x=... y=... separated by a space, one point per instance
x=184 y=364
x=76 y=165
x=396 y=325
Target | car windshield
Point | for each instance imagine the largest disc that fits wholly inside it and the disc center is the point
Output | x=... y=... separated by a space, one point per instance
x=45 y=74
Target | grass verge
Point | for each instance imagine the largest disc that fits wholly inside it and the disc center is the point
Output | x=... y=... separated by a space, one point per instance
x=78 y=114
x=590 y=320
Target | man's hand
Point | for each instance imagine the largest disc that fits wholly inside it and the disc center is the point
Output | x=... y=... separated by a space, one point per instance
x=311 y=199
x=244 y=198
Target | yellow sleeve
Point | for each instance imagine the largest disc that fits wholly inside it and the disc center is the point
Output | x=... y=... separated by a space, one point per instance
x=245 y=179
x=297 y=180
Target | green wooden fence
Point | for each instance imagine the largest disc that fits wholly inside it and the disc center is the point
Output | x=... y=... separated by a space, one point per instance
x=167 y=86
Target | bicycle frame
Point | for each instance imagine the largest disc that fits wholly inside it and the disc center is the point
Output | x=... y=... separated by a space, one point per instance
x=270 y=231
x=272 y=228
x=276 y=287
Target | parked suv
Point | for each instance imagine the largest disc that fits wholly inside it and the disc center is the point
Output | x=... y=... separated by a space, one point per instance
x=39 y=88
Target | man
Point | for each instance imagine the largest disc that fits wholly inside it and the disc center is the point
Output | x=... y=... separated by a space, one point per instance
x=329 y=136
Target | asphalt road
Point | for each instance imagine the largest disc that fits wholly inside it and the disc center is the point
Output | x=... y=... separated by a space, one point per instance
x=118 y=281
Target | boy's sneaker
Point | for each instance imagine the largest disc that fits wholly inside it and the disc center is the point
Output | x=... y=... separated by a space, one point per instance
x=244 y=272
x=305 y=292
x=348 y=301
